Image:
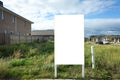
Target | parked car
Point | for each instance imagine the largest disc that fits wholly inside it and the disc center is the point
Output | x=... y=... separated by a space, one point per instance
x=106 y=41
x=99 y=42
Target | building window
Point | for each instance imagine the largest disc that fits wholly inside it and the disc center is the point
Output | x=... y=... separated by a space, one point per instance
x=3 y=16
x=13 y=19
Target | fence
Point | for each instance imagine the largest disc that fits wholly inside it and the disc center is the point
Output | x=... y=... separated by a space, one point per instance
x=4 y=38
x=15 y=38
x=20 y=38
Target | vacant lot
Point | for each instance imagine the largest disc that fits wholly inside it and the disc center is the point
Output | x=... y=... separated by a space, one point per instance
x=36 y=61
x=107 y=61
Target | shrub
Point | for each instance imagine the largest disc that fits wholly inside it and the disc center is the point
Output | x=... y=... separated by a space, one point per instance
x=15 y=73
x=6 y=51
x=49 y=59
x=47 y=47
x=17 y=54
x=19 y=62
x=4 y=69
x=31 y=52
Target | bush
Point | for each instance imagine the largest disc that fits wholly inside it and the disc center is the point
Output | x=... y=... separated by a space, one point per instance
x=15 y=73
x=4 y=69
x=31 y=52
x=19 y=62
x=17 y=54
x=6 y=51
x=47 y=47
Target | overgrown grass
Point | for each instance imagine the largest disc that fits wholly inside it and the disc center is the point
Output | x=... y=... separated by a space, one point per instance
x=36 y=61
x=107 y=61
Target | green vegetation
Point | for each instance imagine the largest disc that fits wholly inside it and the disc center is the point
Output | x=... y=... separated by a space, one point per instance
x=36 y=60
x=27 y=61
x=107 y=61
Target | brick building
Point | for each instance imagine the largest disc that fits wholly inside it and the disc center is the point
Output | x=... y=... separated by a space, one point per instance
x=12 y=26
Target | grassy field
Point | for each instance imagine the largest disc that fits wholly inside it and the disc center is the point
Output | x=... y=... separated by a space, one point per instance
x=107 y=61
x=36 y=61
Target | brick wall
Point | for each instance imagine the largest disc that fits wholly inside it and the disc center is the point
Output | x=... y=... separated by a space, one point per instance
x=19 y=26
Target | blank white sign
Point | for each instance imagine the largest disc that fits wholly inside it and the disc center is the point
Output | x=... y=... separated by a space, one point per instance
x=69 y=39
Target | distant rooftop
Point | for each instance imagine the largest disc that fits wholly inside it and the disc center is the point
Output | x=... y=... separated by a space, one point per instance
x=42 y=32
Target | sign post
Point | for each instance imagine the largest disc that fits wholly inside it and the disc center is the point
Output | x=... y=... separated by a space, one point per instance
x=55 y=68
x=93 y=58
x=69 y=41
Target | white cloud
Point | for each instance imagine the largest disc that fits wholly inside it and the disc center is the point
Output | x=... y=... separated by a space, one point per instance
x=102 y=23
x=37 y=10
x=102 y=26
x=78 y=7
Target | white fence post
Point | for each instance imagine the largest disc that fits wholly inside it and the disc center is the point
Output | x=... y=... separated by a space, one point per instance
x=93 y=58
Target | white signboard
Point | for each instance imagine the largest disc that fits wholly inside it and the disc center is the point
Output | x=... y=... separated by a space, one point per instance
x=69 y=40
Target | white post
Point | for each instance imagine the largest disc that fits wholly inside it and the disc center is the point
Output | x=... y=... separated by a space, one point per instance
x=55 y=68
x=93 y=59
x=83 y=75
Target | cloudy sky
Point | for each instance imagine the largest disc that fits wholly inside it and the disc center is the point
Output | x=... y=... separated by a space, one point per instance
x=101 y=16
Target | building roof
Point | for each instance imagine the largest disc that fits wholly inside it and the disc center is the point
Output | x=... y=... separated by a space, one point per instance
x=7 y=10
x=42 y=32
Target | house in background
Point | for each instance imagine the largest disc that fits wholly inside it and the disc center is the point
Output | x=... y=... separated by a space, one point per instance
x=13 y=27
x=99 y=38
x=43 y=35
